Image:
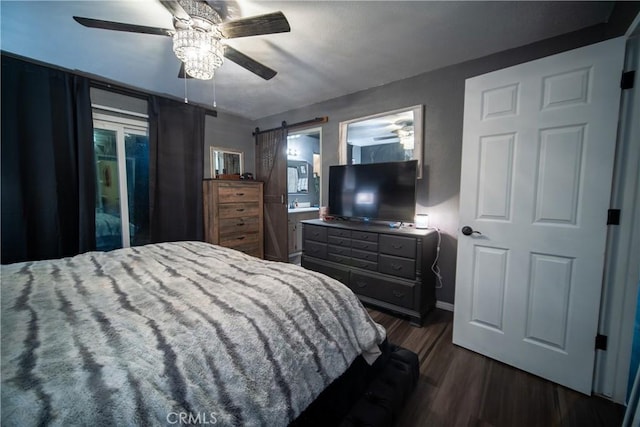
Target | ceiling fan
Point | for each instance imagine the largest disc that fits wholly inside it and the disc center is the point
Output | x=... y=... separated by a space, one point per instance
x=199 y=31
x=401 y=130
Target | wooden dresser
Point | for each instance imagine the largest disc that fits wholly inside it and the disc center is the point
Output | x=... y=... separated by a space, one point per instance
x=385 y=267
x=233 y=215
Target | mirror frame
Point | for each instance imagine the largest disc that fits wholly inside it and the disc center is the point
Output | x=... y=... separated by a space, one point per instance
x=212 y=155
x=418 y=133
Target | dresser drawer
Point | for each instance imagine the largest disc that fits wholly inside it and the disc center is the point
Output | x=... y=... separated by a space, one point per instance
x=339 y=273
x=398 y=245
x=339 y=250
x=393 y=292
x=315 y=249
x=367 y=265
x=365 y=285
x=249 y=248
x=399 y=294
x=314 y=232
x=396 y=266
x=364 y=245
x=339 y=232
x=243 y=224
x=345 y=260
x=235 y=210
x=367 y=256
x=230 y=193
x=365 y=236
x=339 y=241
x=239 y=239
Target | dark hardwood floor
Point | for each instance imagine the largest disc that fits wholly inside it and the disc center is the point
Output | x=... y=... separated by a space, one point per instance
x=458 y=387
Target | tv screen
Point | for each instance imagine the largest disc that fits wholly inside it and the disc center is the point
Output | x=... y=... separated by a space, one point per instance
x=377 y=191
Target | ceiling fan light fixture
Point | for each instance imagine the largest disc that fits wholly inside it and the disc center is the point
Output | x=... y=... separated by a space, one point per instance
x=202 y=15
x=201 y=51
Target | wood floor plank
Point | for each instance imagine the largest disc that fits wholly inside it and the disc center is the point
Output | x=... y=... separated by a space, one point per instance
x=458 y=387
x=514 y=397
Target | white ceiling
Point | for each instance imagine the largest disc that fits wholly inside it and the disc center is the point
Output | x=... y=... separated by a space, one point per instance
x=334 y=48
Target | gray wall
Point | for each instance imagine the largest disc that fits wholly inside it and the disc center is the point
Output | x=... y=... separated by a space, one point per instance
x=442 y=94
x=229 y=131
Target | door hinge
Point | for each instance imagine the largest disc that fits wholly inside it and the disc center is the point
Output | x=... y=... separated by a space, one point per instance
x=613 y=217
x=601 y=342
x=626 y=82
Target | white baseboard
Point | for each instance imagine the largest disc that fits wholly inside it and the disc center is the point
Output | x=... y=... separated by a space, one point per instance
x=444 y=305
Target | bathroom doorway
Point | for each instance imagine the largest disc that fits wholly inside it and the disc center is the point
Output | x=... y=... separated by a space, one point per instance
x=304 y=172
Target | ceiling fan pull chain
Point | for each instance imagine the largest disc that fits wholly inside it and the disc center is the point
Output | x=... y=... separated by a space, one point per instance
x=214 y=90
x=186 y=100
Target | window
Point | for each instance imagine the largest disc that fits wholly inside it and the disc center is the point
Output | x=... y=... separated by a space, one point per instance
x=121 y=147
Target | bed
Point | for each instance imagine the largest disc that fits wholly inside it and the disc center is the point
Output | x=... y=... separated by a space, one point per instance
x=175 y=333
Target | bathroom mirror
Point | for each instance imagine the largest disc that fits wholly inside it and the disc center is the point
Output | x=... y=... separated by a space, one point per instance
x=226 y=161
x=385 y=137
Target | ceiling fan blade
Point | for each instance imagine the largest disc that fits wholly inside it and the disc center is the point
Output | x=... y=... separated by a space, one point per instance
x=182 y=74
x=176 y=10
x=119 y=26
x=250 y=64
x=224 y=8
x=270 y=23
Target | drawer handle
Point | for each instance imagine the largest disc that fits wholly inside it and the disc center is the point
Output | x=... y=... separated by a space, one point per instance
x=398 y=294
x=396 y=267
x=361 y=284
x=239 y=194
x=241 y=237
x=240 y=210
x=240 y=224
x=365 y=237
x=316 y=233
x=397 y=246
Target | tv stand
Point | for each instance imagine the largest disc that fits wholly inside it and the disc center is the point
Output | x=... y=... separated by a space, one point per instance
x=388 y=268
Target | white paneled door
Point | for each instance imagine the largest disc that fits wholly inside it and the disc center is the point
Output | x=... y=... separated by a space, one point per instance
x=537 y=160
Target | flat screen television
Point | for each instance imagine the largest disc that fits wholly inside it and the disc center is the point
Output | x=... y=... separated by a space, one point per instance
x=376 y=191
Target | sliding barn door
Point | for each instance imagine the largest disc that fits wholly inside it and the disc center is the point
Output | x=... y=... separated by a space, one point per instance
x=537 y=159
x=271 y=168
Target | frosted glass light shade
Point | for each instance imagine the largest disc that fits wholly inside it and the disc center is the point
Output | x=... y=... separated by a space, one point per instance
x=422 y=221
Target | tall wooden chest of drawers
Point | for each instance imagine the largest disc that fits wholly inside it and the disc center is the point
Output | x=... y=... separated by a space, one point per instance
x=233 y=215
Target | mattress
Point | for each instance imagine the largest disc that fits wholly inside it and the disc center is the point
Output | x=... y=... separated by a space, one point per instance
x=173 y=332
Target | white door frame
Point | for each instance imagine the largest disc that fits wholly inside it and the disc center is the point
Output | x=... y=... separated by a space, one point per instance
x=121 y=126
x=622 y=269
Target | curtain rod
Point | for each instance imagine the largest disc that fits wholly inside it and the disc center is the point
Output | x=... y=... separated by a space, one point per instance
x=324 y=119
x=100 y=82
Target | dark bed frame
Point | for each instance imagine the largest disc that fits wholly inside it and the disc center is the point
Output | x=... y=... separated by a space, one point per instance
x=366 y=395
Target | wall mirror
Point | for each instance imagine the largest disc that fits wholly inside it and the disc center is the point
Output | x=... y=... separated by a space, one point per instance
x=226 y=161
x=385 y=137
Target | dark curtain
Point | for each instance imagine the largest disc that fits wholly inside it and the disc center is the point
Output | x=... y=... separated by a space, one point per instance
x=176 y=138
x=48 y=170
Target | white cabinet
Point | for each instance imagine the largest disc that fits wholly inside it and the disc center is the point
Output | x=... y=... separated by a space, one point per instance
x=295 y=232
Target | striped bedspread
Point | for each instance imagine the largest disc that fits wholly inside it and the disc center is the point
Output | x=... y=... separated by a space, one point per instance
x=172 y=334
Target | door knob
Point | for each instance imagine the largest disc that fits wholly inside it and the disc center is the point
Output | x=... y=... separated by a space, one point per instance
x=468 y=231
